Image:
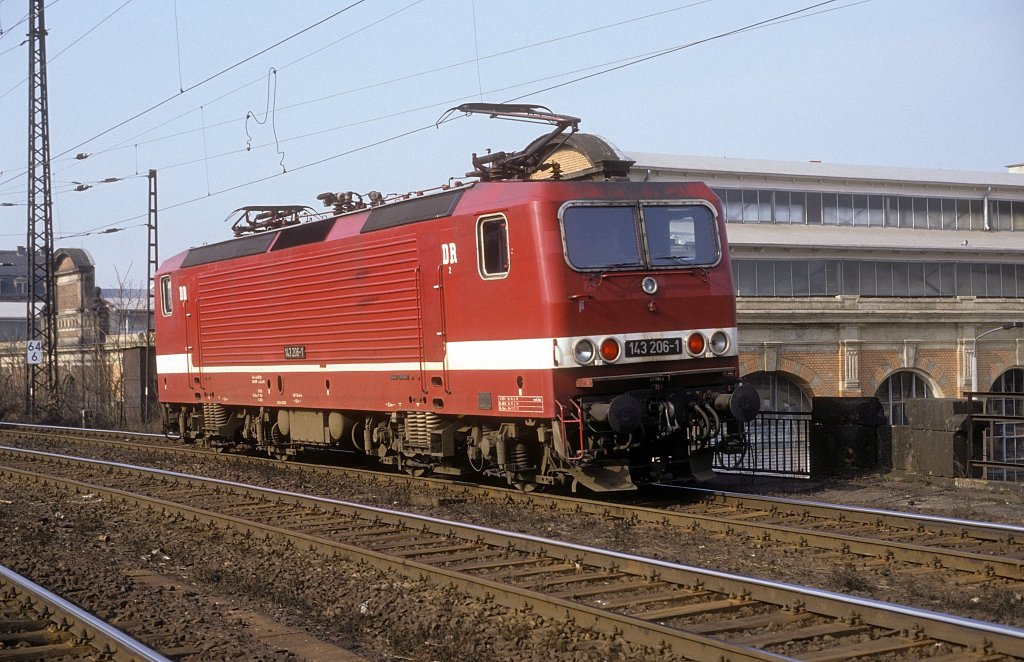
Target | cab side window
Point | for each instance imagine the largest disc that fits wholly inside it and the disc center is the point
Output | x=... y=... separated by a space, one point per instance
x=165 y=295
x=492 y=246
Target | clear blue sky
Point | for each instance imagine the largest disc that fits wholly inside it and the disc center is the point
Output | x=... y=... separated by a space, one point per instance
x=917 y=83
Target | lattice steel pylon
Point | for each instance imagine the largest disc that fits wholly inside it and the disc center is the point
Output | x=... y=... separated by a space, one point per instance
x=152 y=263
x=40 y=378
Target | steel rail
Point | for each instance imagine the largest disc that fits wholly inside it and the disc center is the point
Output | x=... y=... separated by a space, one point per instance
x=513 y=597
x=107 y=641
x=966 y=632
x=860 y=513
x=930 y=555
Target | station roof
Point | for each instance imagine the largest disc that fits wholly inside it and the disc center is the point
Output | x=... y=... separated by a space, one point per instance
x=815 y=170
x=123 y=298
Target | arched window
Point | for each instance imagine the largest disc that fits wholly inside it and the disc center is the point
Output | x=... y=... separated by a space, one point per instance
x=1011 y=381
x=1006 y=443
x=779 y=392
x=901 y=386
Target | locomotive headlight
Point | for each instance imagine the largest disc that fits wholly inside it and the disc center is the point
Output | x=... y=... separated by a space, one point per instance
x=695 y=344
x=610 y=350
x=583 y=351
x=649 y=285
x=719 y=343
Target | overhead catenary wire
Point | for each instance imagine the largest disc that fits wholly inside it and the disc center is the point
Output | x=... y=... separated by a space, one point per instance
x=13 y=48
x=177 y=41
x=605 y=67
x=61 y=52
x=747 y=28
x=90 y=30
x=613 y=64
x=193 y=86
x=11 y=27
x=446 y=103
x=211 y=77
x=777 y=20
x=398 y=79
x=269 y=113
x=4 y=33
x=206 y=155
x=133 y=140
x=476 y=51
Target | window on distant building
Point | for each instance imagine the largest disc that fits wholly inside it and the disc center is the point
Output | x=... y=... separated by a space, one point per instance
x=779 y=392
x=894 y=392
x=1005 y=441
x=864 y=210
x=876 y=278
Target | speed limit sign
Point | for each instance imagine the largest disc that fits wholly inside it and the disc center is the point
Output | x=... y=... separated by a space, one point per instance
x=35 y=352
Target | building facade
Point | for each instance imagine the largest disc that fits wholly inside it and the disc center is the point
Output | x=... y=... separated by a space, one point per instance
x=856 y=280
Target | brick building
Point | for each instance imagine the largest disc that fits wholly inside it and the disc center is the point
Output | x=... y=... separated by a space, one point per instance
x=856 y=280
x=81 y=313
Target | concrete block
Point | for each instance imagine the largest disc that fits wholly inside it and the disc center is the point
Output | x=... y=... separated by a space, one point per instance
x=931 y=452
x=845 y=411
x=885 y=448
x=943 y=414
x=902 y=449
x=834 y=448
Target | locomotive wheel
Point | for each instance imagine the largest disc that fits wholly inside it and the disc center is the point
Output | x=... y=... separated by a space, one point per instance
x=415 y=472
x=526 y=487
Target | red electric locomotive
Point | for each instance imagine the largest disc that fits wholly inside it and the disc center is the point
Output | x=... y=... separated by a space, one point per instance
x=551 y=322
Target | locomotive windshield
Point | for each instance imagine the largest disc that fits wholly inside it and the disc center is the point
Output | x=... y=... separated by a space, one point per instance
x=605 y=237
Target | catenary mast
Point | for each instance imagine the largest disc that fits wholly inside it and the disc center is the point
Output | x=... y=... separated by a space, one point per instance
x=41 y=371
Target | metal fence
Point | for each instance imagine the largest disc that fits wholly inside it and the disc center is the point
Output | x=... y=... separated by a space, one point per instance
x=1000 y=453
x=777 y=445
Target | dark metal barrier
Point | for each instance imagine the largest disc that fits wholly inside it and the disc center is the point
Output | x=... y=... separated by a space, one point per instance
x=777 y=445
x=998 y=434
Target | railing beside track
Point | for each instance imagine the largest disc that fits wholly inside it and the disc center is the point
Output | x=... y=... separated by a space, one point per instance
x=777 y=444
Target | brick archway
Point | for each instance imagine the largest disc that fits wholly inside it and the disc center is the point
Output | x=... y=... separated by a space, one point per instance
x=780 y=390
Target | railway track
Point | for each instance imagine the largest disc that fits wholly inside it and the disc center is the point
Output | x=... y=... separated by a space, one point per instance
x=698 y=614
x=952 y=550
x=36 y=624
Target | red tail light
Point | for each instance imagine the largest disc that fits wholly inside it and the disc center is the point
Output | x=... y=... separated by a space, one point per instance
x=610 y=349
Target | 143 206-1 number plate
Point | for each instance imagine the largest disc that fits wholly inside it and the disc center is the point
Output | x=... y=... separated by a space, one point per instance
x=654 y=347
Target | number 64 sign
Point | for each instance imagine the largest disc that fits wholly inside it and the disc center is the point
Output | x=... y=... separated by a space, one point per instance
x=35 y=352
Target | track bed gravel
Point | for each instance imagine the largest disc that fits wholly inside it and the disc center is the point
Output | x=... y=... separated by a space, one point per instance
x=387 y=618
x=245 y=598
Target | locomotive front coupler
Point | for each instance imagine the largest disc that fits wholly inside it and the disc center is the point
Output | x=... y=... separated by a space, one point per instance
x=744 y=403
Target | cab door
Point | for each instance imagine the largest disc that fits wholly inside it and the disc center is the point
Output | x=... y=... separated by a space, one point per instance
x=193 y=344
x=437 y=254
